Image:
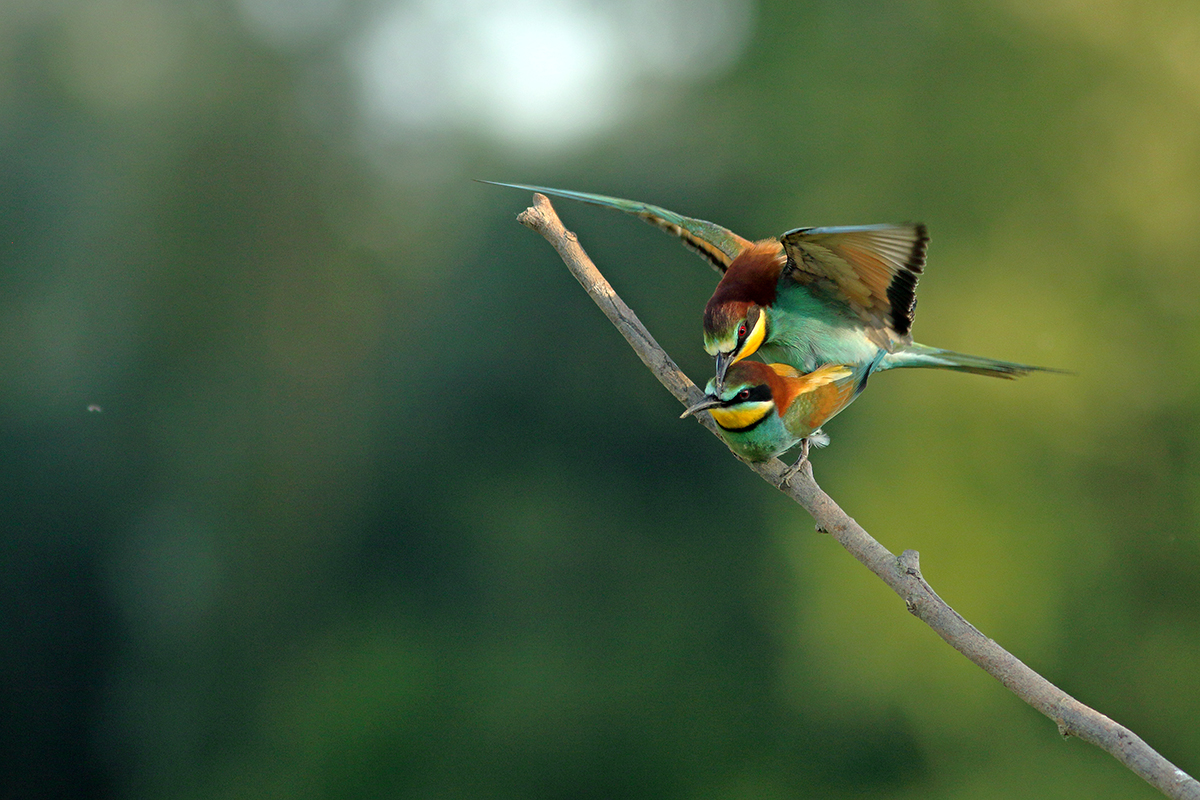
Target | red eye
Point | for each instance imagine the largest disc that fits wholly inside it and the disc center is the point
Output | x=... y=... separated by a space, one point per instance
x=744 y=394
x=741 y=330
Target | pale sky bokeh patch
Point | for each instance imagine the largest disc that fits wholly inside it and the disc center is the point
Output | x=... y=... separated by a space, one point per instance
x=540 y=73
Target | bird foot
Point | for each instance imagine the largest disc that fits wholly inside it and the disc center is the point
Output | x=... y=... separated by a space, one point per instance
x=785 y=479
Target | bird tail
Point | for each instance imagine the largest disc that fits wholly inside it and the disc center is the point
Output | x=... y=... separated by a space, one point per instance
x=919 y=355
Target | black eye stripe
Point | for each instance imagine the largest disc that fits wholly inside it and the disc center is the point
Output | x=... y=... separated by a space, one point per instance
x=757 y=394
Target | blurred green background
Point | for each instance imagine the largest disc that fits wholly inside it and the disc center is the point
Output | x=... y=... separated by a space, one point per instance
x=322 y=478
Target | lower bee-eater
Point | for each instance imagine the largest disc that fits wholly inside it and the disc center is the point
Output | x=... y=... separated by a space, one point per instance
x=763 y=410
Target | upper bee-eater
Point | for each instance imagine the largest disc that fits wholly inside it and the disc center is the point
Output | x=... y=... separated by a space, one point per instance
x=763 y=410
x=811 y=297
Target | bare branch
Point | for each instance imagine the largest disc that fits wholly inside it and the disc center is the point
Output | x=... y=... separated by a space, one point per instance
x=901 y=573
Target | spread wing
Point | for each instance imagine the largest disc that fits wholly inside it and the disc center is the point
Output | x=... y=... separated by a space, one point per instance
x=715 y=244
x=871 y=268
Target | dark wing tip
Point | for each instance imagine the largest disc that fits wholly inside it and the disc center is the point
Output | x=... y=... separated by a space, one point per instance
x=902 y=295
x=916 y=259
x=902 y=291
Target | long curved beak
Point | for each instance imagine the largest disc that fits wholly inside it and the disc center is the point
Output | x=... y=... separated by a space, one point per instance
x=707 y=402
x=723 y=362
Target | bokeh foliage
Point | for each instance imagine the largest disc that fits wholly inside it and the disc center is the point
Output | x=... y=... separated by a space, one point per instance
x=373 y=503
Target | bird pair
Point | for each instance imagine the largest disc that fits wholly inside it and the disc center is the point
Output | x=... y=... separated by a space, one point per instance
x=830 y=306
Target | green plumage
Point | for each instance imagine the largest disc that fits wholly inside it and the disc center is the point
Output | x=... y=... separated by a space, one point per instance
x=764 y=410
x=837 y=295
x=715 y=244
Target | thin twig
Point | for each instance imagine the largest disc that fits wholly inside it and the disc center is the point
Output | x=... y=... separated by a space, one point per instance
x=901 y=573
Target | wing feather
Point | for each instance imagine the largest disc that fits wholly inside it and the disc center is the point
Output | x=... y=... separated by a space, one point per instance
x=792 y=384
x=873 y=269
x=715 y=244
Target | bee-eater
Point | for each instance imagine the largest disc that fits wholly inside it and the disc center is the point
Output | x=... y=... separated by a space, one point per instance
x=763 y=410
x=813 y=296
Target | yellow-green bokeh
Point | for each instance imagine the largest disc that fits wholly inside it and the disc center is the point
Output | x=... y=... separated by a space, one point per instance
x=324 y=479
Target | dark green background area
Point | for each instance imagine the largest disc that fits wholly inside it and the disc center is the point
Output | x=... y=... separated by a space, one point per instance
x=377 y=504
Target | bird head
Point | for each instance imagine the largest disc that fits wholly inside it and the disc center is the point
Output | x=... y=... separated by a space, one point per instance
x=732 y=331
x=742 y=400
